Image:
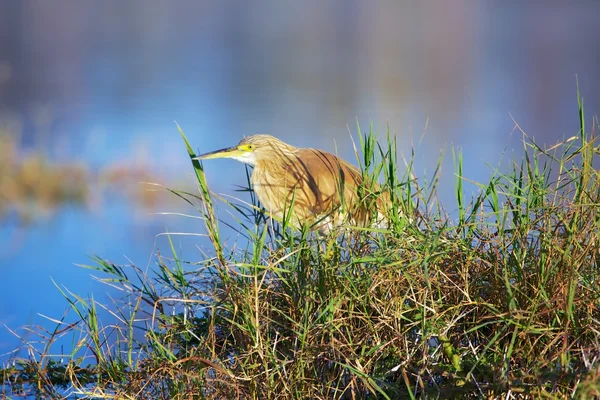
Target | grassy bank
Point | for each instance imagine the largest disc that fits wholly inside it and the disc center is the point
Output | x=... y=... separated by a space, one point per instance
x=501 y=300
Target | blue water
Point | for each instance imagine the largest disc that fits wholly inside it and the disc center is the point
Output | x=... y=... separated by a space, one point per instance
x=101 y=82
x=40 y=254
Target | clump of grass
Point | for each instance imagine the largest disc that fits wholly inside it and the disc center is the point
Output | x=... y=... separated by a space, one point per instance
x=30 y=183
x=32 y=186
x=503 y=302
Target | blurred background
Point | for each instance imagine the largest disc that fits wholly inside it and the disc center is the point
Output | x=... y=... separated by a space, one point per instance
x=89 y=91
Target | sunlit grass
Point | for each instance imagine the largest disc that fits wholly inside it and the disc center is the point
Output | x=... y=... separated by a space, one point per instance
x=502 y=302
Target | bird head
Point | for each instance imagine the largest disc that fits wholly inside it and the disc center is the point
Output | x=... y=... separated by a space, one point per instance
x=250 y=150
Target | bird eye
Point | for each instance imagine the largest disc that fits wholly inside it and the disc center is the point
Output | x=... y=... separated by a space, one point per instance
x=250 y=147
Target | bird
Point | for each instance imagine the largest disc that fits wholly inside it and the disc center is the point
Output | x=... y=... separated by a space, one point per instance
x=319 y=190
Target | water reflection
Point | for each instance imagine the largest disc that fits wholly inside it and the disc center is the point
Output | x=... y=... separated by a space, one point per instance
x=98 y=84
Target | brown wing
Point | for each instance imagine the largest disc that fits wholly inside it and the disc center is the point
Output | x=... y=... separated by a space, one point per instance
x=325 y=181
x=317 y=183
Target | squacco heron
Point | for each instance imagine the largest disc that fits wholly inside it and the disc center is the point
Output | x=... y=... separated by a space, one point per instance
x=319 y=189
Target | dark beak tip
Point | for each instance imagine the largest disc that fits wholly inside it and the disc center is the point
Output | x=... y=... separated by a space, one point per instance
x=201 y=157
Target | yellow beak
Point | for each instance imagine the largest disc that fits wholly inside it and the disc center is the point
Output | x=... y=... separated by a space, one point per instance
x=229 y=152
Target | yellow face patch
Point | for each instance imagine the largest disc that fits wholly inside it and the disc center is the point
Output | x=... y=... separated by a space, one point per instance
x=246 y=147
